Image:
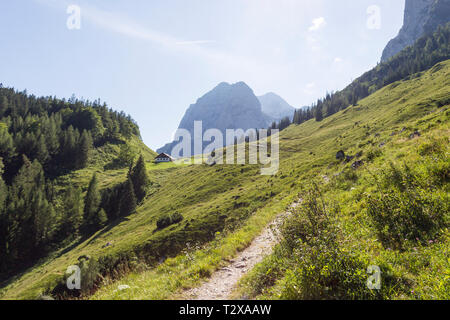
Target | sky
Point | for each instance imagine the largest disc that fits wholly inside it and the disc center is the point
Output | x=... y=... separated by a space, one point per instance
x=153 y=58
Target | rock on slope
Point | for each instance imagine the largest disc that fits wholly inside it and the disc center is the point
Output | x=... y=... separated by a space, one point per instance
x=227 y=106
x=421 y=17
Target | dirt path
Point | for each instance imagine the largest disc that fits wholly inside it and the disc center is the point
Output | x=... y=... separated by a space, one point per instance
x=223 y=281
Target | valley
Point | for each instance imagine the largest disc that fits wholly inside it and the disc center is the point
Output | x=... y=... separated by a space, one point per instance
x=344 y=199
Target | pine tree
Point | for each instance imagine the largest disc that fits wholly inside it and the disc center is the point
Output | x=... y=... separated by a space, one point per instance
x=126 y=155
x=91 y=210
x=84 y=149
x=42 y=152
x=52 y=138
x=319 y=114
x=6 y=144
x=32 y=216
x=3 y=106
x=73 y=212
x=3 y=222
x=68 y=147
x=140 y=179
x=128 y=199
x=3 y=189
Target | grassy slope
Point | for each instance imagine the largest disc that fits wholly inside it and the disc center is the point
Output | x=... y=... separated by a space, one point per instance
x=236 y=200
x=308 y=152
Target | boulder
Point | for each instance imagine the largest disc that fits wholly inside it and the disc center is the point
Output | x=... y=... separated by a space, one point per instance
x=340 y=155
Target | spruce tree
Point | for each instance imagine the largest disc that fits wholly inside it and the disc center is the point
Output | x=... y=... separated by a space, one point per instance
x=319 y=114
x=3 y=106
x=126 y=155
x=6 y=144
x=91 y=210
x=32 y=216
x=42 y=152
x=84 y=149
x=73 y=212
x=140 y=179
x=3 y=189
x=128 y=199
x=3 y=219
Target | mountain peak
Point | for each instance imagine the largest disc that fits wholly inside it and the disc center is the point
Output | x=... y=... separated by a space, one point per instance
x=227 y=106
x=421 y=17
x=275 y=106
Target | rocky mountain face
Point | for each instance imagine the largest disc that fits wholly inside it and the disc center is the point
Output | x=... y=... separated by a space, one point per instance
x=421 y=17
x=275 y=107
x=227 y=106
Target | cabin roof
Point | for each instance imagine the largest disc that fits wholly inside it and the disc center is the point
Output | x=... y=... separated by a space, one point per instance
x=163 y=155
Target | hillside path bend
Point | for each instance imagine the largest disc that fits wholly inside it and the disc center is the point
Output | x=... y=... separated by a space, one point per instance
x=223 y=281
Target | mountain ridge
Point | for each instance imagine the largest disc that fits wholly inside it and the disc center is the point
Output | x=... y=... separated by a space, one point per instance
x=275 y=106
x=420 y=17
x=226 y=106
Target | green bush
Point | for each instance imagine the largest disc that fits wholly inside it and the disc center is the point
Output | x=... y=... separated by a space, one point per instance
x=405 y=209
x=433 y=146
x=168 y=220
x=321 y=267
x=346 y=179
x=373 y=153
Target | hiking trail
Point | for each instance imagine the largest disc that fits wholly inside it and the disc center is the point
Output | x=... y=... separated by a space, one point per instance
x=223 y=281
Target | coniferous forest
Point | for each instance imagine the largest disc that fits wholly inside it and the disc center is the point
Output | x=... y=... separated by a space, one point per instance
x=40 y=140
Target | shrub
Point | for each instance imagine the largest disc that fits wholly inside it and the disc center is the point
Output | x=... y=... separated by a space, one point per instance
x=433 y=146
x=405 y=208
x=373 y=153
x=346 y=179
x=321 y=268
x=168 y=220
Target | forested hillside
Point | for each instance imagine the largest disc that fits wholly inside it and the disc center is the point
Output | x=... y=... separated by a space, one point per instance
x=41 y=140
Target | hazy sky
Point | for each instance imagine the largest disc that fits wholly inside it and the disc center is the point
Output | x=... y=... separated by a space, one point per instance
x=153 y=58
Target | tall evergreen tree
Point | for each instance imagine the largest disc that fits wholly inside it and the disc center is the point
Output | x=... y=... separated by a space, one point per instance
x=128 y=199
x=3 y=189
x=140 y=179
x=41 y=150
x=92 y=220
x=73 y=212
x=3 y=221
x=32 y=217
x=84 y=149
x=3 y=106
x=319 y=112
x=7 y=149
